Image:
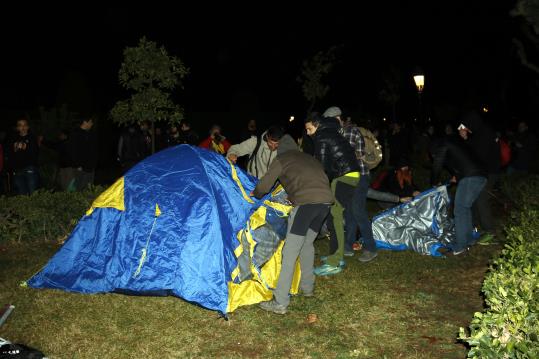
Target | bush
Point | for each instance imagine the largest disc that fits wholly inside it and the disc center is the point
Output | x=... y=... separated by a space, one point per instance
x=509 y=327
x=44 y=215
x=523 y=190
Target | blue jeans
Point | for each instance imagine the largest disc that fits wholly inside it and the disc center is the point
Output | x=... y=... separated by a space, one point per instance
x=26 y=180
x=468 y=191
x=357 y=216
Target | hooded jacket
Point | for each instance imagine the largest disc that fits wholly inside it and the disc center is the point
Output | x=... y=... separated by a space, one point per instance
x=483 y=142
x=302 y=177
x=258 y=165
x=333 y=150
x=456 y=158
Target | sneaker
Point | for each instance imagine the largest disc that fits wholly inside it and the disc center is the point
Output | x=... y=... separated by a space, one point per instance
x=326 y=269
x=349 y=253
x=273 y=306
x=487 y=239
x=367 y=256
x=342 y=263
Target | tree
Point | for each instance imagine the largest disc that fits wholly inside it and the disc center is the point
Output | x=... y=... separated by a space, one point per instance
x=151 y=74
x=312 y=73
x=529 y=11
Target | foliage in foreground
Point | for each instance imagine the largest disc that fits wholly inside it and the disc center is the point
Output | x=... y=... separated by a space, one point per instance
x=509 y=327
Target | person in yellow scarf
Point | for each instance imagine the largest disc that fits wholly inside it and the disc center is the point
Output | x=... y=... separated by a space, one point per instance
x=216 y=141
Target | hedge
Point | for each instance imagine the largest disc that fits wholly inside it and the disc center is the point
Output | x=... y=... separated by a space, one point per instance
x=44 y=215
x=509 y=327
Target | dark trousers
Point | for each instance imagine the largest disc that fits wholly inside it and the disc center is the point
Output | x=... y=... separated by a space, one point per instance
x=26 y=180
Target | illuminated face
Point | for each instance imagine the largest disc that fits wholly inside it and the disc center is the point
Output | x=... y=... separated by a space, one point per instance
x=463 y=132
x=22 y=127
x=272 y=144
x=310 y=128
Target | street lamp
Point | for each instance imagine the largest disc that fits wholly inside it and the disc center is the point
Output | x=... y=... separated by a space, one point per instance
x=419 y=80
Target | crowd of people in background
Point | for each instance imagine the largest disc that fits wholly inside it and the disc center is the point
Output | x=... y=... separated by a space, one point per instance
x=77 y=150
x=325 y=172
x=77 y=158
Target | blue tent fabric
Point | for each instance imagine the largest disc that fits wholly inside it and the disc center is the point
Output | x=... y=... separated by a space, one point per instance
x=186 y=250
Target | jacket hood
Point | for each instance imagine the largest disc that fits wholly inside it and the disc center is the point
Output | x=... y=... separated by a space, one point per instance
x=328 y=123
x=473 y=121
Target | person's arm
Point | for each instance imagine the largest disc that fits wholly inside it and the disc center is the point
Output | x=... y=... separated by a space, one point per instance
x=360 y=145
x=268 y=180
x=33 y=149
x=382 y=196
x=244 y=148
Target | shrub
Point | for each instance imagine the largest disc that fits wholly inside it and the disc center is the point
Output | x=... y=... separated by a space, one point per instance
x=44 y=215
x=509 y=327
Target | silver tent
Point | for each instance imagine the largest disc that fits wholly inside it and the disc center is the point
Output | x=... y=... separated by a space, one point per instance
x=423 y=225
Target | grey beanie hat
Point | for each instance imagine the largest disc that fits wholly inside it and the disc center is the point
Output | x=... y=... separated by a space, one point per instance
x=333 y=111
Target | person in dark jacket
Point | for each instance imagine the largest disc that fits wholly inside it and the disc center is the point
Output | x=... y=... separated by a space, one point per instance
x=308 y=190
x=483 y=142
x=82 y=147
x=349 y=184
x=186 y=135
x=524 y=149
x=22 y=157
x=65 y=170
x=470 y=178
x=132 y=147
x=399 y=143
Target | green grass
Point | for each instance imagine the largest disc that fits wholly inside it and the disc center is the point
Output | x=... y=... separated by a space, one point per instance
x=401 y=305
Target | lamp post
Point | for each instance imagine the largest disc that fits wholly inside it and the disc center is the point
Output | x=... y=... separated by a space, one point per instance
x=419 y=80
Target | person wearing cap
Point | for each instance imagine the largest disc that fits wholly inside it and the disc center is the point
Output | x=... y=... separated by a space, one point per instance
x=483 y=142
x=356 y=215
x=343 y=170
x=470 y=178
x=308 y=190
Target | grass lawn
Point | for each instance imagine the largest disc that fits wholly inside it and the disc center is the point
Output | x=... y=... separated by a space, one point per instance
x=401 y=305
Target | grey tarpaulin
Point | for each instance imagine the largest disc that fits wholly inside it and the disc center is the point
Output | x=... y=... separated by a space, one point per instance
x=423 y=225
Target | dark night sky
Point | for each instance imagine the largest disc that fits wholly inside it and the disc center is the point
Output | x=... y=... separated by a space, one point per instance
x=251 y=60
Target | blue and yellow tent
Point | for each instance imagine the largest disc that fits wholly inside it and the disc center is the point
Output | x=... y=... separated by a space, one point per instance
x=179 y=223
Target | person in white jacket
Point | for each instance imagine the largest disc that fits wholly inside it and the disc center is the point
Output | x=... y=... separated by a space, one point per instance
x=261 y=150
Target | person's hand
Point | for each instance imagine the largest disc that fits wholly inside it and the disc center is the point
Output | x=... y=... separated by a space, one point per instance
x=416 y=193
x=453 y=180
x=252 y=194
x=232 y=157
x=405 y=199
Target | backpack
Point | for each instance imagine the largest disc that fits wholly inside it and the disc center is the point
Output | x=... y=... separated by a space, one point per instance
x=373 y=149
x=252 y=159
